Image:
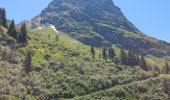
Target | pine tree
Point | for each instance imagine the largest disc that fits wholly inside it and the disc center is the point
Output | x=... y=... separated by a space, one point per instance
x=137 y=59
x=57 y=38
x=123 y=57
x=142 y=63
x=1 y=16
x=104 y=54
x=130 y=59
x=166 y=68
x=22 y=37
x=111 y=53
x=28 y=62
x=92 y=51
x=157 y=69
x=3 y=20
x=12 y=30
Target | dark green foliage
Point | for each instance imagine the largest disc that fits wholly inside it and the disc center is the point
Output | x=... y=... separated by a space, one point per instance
x=142 y=63
x=28 y=62
x=123 y=57
x=166 y=68
x=166 y=87
x=92 y=51
x=60 y=70
x=111 y=53
x=57 y=37
x=12 y=30
x=3 y=19
x=131 y=59
x=23 y=35
x=156 y=68
x=104 y=54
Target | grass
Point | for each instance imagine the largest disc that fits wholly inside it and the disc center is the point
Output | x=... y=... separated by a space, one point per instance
x=65 y=69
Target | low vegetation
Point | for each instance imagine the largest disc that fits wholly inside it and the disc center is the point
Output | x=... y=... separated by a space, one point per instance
x=42 y=65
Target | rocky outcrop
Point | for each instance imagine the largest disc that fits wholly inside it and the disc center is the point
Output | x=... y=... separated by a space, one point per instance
x=97 y=23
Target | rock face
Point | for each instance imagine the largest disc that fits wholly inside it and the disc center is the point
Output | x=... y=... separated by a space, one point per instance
x=99 y=23
x=90 y=21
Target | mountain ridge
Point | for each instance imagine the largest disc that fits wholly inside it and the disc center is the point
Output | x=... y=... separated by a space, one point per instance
x=52 y=66
x=100 y=24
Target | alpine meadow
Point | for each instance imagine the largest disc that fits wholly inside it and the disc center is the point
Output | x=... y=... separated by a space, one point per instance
x=81 y=50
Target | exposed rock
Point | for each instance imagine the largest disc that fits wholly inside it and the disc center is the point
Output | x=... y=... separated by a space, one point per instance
x=97 y=23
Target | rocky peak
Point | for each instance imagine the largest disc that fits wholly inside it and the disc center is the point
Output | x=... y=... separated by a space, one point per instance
x=89 y=12
x=99 y=23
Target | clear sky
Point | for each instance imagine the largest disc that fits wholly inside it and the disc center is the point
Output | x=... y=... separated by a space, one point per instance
x=152 y=17
x=23 y=9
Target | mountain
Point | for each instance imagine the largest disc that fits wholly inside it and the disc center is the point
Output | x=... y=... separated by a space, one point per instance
x=93 y=22
x=99 y=23
x=52 y=65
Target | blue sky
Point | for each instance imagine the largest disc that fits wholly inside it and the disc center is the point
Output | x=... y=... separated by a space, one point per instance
x=152 y=17
x=23 y=9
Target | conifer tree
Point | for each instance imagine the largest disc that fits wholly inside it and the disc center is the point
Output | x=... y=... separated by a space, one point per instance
x=1 y=14
x=104 y=54
x=111 y=53
x=92 y=51
x=28 y=62
x=166 y=68
x=12 y=30
x=123 y=57
x=130 y=58
x=157 y=69
x=137 y=59
x=142 y=63
x=3 y=19
x=22 y=37
x=57 y=38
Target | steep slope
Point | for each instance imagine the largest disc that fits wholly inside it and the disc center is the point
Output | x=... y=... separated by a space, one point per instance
x=5 y=39
x=88 y=21
x=148 y=89
x=62 y=68
x=99 y=23
x=54 y=66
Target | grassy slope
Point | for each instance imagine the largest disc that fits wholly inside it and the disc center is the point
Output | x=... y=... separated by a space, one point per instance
x=151 y=89
x=44 y=42
x=66 y=49
x=64 y=69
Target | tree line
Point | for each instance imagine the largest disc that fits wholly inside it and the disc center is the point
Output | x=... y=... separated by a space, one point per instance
x=21 y=35
x=130 y=58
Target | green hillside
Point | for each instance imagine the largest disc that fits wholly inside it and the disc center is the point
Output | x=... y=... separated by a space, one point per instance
x=97 y=54
x=63 y=68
